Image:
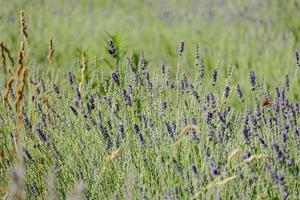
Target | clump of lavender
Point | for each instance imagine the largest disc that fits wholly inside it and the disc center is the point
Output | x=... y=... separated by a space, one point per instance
x=103 y=132
x=40 y=133
x=287 y=82
x=298 y=59
x=170 y=130
x=163 y=105
x=181 y=47
x=214 y=76
x=214 y=171
x=279 y=178
x=56 y=89
x=183 y=83
x=246 y=155
x=194 y=93
x=240 y=93
x=115 y=78
x=138 y=132
x=178 y=167
x=77 y=97
x=226 y=91
x=71 y=78
x=194 y=169
x=252 y=79
x=246 y=128
x=126 y=97
x=278 y=154
x=44 y=119
x=111 y=48
x=91 y=102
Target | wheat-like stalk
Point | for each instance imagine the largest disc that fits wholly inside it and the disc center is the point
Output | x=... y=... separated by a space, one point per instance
x=114 y=154
x=7 y=90
x=227 y=180
x=184 y=130
x=21 y=59
x=23 y=26
x=255 y=157
x=3 y=50
x=19 y=106
x=233 y=153
x=50 y=51
x=215 y=184
x=83 y=71
x=3 y=57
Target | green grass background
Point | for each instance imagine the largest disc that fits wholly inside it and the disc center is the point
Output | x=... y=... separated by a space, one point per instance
x=261 y=35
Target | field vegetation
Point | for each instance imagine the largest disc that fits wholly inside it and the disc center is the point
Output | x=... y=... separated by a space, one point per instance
x=149 y=99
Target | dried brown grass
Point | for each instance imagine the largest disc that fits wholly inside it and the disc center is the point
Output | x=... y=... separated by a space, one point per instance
x=50 y=51
x=183 y=132
x=83 y=71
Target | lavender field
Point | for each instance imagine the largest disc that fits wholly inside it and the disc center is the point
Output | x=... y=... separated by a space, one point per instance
x=122 y=124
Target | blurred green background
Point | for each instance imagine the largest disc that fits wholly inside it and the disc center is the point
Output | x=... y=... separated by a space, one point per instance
x=260 y=34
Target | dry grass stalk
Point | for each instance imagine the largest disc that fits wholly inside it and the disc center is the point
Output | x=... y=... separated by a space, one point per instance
x=23 y=26
x=19 y=106
x=50 y=51
x=16 y=189
x=233 y=153
x=184 y=130
x=5 y=196
x=214 y=184
x=223 y=182
x=77 y=193
x=3 y=57
x=83 y=71
x=255 y=157
x=50 y=182
x=1 y=156
x=7 y=90
x=114 y=154
x=4 y=49
x=21 y=59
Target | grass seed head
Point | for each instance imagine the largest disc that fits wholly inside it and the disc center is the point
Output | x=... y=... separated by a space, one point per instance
x=50 y=51
x=255 y=157
x=23 y=26
x=83 y=71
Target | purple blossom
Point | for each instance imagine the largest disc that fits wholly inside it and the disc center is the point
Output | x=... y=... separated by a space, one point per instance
x=71 y=78
x=103 y=132
x=194 y=169
x=226 y=91
x=178 y=167
x=287 y=82
x=246 y=155
x=278 y=154
x=194 y=92
x=214 y=76
x=40 y=132
x=126 y=98
x=77 y=97
x=214 y=171
x=138 y=132
x=252 y=78
x=56 y=89
x=181 y=47
x=240 y=93
x=115 y=78
x=111 y=48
